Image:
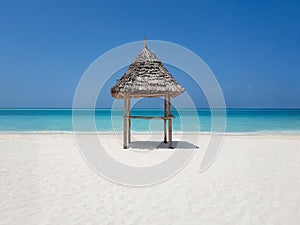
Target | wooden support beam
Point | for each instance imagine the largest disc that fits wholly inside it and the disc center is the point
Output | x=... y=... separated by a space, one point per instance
x=152 y=117
x=129 y=120
x=125 y=145
x=165 y=121
x=170 y=121
x=167 y=117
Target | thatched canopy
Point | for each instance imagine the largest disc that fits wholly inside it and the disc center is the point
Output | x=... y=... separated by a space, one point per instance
x=146 y=77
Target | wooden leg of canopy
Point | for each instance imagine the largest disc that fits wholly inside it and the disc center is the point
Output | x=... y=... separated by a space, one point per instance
x=165 y=121
x=170 y=121
x=125 y=145
x=129 y=120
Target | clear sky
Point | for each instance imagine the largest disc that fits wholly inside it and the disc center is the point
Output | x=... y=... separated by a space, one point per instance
x=253 y=47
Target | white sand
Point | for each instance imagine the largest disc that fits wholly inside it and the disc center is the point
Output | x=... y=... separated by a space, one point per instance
x=255 y=180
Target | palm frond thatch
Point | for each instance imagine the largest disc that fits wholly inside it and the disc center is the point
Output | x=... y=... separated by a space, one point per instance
x=146 y=77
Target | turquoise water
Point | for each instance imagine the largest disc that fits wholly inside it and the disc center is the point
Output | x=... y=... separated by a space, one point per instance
x=238 y=120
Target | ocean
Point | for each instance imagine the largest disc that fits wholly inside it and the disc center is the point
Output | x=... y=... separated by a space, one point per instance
x=107 y=120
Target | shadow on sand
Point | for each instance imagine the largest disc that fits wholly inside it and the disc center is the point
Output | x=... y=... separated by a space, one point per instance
x=151 y=145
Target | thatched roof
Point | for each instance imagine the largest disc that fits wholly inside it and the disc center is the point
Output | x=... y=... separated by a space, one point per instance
x=146 y=77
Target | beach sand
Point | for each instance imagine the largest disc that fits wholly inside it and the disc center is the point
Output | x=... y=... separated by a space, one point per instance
x=254 y=180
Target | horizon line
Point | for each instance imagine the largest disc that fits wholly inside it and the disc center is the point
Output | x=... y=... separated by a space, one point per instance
x=45 y=108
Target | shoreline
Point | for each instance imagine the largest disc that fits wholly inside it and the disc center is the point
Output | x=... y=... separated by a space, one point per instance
x=260 y=133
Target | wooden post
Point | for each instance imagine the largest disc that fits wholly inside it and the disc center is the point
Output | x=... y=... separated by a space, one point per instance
x=125 y=145
x=170 y=121
x=165 y=121
x=129 y=120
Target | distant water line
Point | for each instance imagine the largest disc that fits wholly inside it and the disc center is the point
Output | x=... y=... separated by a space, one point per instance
x=187 y=120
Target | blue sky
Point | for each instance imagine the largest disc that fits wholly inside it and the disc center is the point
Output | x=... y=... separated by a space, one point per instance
x=253 y=47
